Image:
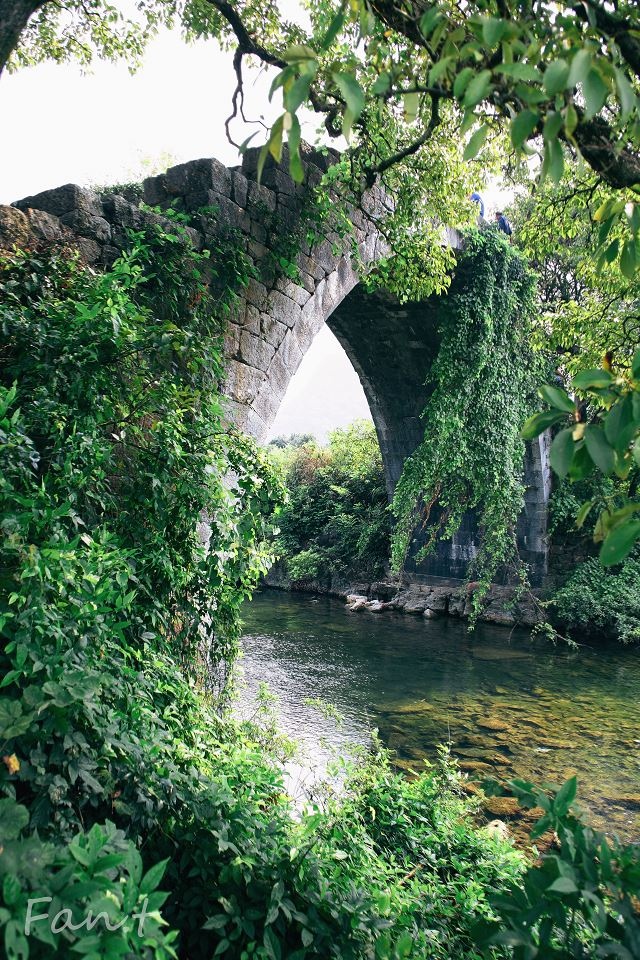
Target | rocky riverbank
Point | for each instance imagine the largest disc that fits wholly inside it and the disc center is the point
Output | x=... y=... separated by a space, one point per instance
x=502 y=605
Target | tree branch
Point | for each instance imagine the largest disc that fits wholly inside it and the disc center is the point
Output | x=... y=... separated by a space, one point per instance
x=14 y=17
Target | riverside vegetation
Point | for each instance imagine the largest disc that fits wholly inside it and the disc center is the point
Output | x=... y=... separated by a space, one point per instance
x=124 y=779
x=126 y=784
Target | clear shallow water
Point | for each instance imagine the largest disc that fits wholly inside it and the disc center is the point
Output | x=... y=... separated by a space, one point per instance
x=509 y=707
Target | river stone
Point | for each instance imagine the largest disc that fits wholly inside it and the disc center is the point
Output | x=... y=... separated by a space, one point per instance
x=498 y=829
x=375 y=606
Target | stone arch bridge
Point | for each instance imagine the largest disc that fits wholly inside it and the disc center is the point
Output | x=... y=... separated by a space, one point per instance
x=390 y=345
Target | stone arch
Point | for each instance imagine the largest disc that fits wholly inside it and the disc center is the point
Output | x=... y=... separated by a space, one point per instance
x=390 y=345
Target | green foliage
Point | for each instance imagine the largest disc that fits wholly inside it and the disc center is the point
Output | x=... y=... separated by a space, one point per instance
x=549 y=75
x=588 y=306
x=471 y=457
x=336 y=519
x=96 y=882
x=119 y=773
x=601 y=602
x=577 y=901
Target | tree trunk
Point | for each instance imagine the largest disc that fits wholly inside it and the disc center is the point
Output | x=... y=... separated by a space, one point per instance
x=14 y=16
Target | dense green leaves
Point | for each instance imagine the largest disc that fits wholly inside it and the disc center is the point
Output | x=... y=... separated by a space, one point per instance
x=336 y=522
x=471 y=457
x=576 y=902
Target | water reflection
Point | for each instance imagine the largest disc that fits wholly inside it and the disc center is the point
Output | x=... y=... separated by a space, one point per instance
x=508 y=707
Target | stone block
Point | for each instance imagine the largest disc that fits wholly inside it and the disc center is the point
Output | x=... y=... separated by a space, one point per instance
x=280 y=181
x=279 y=374
x=14 y=227
x=154 y=190
x=90 y=250
x=260 y=197
x=233 y=217
x=232 y=341
x=288 y=202
x=258 y=232
x=292 y=290
x=120 y=211
x=255 y=351
x=64 y=200
x=109 y=256
x=283 y=308
x=272 y=330
x=290 y=352
x=325 y=257
x=249 y=319
x=255 y=293
x=242 y=382
x=257 y=251
x=198 y=176
x=236 y=413
x=256 y=427
x=86 y=225
x=44 y=226
x=240 y=188
x=311 y=266
x=288 y=221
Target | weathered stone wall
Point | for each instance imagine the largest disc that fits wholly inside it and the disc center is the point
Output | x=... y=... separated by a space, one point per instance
x=390 y=345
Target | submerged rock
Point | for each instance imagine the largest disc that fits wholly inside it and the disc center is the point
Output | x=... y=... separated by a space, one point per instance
x=492 y=723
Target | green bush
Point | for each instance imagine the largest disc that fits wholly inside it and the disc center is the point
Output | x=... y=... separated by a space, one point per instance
x=601 y=601
x=125 y=785
x=120 y=772
x=336 y=520
x=579 y=901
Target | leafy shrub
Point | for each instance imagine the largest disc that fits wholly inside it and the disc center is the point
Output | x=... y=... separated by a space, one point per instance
x=336 y=520
x=95 y=883
x=118 y=767
x=601 y=601
x=579 y=901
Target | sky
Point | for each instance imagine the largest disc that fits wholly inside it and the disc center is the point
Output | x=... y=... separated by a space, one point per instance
x=62 y=126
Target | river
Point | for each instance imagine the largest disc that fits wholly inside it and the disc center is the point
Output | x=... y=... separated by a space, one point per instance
x=507 y=705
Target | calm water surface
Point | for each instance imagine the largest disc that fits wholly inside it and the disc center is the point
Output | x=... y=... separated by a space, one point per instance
x=508 y=706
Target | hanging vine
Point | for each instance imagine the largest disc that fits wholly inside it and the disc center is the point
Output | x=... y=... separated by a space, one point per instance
x=471 y=457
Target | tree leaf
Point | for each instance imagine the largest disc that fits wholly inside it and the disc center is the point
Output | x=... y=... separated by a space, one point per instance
x=626 y=95
x=475 y=143
x=562 y=450
x=619 y=543
x=580 y=66
x=555 y=77
x=539 y=422
x=592 y=379
x=493 y=30
x=563 y=885
x=461 y=82
x=565 y=796
x=354 y=98
x=598 y=448
x=557 y=398
x=628 y=259
x=478 y=89
x=299 y=52
x=595 y=93
x=334 y=29
x=523 y=126
x=555 y=158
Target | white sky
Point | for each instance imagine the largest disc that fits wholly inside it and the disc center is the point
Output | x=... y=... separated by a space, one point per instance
x=60 y=126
